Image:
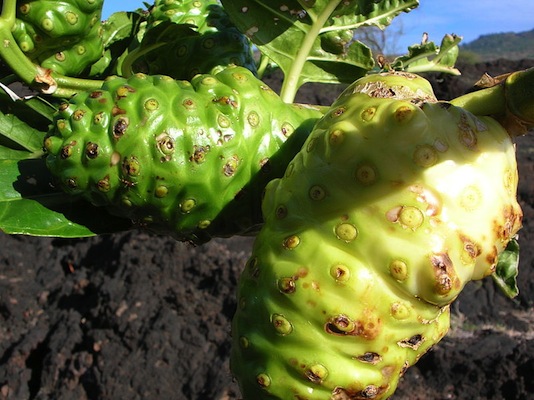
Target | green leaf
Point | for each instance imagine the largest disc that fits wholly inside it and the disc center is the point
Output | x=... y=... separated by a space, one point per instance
x=30 y=205
x=120 y=26
x=121 y=33
x=290 y=34
x=428 y=57
x=154 y=39
x=505 y=275
x=7 y=153
x=18 y=135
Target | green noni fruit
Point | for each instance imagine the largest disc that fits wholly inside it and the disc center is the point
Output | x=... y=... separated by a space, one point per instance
x=211 y=42
x=64 y=36
x=181 y=158
x=392 y=205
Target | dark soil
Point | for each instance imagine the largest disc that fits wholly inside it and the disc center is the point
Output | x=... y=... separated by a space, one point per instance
x=137 y=316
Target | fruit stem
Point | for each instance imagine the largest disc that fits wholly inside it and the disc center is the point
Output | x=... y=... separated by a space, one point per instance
x=511 y=99
x=488 y=101
x=31 y=74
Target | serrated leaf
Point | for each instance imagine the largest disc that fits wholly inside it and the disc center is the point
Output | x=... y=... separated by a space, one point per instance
x=119 y=26
x=505 y=275
x=289 y=33
x=121 y=34
x=29 y=205
x=428 y=57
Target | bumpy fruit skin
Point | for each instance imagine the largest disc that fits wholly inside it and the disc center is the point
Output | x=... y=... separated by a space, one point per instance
x=204 y=15
x=172 y=155
x=64 y=36
x=214 y=41
x=389 y=209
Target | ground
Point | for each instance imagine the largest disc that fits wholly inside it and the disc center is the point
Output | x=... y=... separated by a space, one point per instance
x=138 y=316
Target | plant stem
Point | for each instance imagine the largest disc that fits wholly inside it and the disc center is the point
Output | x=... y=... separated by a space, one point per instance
x=9 y=12
x=512 y=100
x=28 y=72
x=292 y=80
x=489 y=101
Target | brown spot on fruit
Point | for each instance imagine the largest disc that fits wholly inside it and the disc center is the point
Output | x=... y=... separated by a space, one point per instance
x=491 y=257
x=399 y=310
x=425 y=156
x=369 y=358
x=356 y=392
x=466 y=135
x=403 y=114
x=231 y=166
x=151 y=105
x=166 y=145
x=340 y=272
x=91 y=150
x=281 y=324
x=398 y=270
x=71 y=183
x=336 y=137
x=291 y=242
x=103 y=185
x=123 y=91
x=263 y=380
x=189 y=104
x=66 y=150
x=368 y=114
x=199 y=154
x=78 y=115
x=470 y=250
x=287 y=285
x=511 y=223
x=120 y=127
x=413 y=342
x=445 y=276
x=338 y=112
x=369 y=325
x=253 y=119
x=340 y=325
x=281 y=211
x=131 y=166
x=96 y=94
x=317 y=193
x=316 y=373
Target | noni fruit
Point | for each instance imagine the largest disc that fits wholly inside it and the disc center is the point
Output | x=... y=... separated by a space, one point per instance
x=392 y=205
x=181 y=158
x=211 y=41
x=62 y=35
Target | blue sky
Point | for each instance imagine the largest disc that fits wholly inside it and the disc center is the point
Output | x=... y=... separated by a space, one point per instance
x=466 y=18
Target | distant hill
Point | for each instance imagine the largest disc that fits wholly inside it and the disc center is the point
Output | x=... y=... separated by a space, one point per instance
x=509 y=45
